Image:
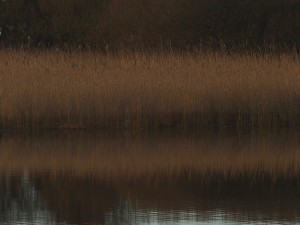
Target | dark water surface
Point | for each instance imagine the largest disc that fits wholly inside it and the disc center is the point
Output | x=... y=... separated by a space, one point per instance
x=212 y=178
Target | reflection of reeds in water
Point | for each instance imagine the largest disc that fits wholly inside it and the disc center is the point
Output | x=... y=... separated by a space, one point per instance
x=134 y=158
x=71 y=90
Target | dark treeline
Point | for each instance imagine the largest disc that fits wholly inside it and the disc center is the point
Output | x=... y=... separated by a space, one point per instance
x=142 y=24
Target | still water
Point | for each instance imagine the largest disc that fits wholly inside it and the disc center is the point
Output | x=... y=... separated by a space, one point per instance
x=151 y=178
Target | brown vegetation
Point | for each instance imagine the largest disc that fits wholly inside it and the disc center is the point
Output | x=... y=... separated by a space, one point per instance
x=88 y=90
x=258 y=158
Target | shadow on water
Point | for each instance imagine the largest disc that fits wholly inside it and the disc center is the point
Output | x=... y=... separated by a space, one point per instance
x=89 y=178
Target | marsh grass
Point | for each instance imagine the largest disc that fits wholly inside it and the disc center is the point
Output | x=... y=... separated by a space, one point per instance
x=55 y=89
x=258 y=158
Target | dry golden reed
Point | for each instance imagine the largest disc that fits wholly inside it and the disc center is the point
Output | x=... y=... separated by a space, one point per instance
x=137 y=157
x=55 y=89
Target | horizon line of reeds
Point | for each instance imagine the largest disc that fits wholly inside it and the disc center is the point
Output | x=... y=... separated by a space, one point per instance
x=58 y=89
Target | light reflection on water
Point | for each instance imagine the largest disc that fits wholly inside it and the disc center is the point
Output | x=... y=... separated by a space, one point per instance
x=31 y=193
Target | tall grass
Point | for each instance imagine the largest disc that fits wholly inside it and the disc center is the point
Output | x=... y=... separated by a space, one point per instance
x=258 y=158
x=88 y=90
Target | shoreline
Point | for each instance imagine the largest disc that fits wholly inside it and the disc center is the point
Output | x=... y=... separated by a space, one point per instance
x=209 y=157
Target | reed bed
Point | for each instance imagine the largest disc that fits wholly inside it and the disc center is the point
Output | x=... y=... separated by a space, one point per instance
x=209 y=159
x=55 y=89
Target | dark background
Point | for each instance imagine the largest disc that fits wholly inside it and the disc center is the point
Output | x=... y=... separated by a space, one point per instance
x=230 y=25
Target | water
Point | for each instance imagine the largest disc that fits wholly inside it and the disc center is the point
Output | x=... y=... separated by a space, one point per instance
x=153 y=178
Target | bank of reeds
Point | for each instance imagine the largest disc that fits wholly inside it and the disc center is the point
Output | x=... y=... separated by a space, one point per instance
x=258 y=158
x=54 y=89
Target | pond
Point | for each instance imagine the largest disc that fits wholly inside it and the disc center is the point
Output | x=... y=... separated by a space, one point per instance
x=207 y=177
